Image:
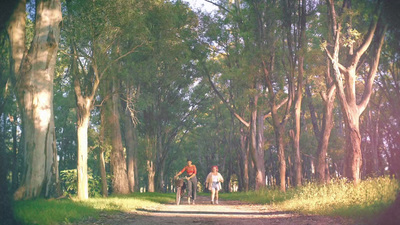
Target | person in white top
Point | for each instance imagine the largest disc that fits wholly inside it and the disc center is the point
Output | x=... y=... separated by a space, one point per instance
x=213 y=182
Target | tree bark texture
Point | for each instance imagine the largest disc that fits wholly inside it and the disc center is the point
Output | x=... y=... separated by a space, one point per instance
x=323 y=139
x=83 y=107
x=118 y=162
x=103 y=175
x=327 y=125
x=151 y=171
x=83 y=113
x=35 y=96
x=244 y=156
x=130 y=149
x=281 y=158
x=257 y=142
x=299 y=92
x=346 y=89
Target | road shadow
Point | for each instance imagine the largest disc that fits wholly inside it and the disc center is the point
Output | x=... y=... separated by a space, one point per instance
x=212 y=212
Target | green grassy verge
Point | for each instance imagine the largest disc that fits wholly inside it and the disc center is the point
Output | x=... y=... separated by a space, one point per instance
x=340 y=198
x=45 y=212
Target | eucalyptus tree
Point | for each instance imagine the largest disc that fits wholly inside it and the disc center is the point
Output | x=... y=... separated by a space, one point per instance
x=224 y=74
x=164 y=73
x=93 y=28
x=129 y=117
x=327 y=94
x=229 y=44
x=345 y=74
x=295 y=15
x=277 y=83
x=34 y=72
x=251 y=26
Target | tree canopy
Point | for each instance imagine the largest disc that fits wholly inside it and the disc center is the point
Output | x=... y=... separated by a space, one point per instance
x=275 y=93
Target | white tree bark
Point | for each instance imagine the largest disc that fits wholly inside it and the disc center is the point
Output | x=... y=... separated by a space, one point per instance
x=35 y=95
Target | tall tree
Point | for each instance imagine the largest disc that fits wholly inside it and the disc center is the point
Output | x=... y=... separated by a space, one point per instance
x=92 y=35
x=130 y=136
x=118 y=159
x=298 y=56
x=267 y=44
x=345 y=76
x=328 y=97
x=35 y=96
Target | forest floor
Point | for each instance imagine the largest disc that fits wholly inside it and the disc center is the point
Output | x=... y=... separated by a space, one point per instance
x=203 y=212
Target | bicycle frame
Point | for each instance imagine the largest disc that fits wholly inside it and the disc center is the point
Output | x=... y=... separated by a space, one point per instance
x=179 y=183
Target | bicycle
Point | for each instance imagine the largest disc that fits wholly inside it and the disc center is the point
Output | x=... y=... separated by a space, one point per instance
x=180 y=189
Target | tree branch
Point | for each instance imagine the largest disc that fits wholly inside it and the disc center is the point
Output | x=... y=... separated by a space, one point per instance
x=367 y=41
x=117 y=59
x=371 y=75
x=230 y=108
x=341 y=67
x=218 y=5
x=277 y=107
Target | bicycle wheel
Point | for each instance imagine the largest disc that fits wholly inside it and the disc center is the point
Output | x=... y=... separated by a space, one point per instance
x=178 y=195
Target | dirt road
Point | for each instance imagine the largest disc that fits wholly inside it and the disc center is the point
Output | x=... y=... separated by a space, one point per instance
x=203 y=212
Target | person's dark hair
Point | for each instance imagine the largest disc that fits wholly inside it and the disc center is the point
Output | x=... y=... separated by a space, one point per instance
x=188 y=159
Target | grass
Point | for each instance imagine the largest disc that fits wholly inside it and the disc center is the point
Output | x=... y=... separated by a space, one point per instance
x=340 y=198
x=49 y=212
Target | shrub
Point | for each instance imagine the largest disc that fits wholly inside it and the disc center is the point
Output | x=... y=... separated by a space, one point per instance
x=69 y=182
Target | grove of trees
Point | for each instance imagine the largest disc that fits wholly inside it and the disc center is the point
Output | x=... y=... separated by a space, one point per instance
x=100 y=97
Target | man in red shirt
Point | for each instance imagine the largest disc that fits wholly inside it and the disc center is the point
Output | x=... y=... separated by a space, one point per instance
x=192 y=180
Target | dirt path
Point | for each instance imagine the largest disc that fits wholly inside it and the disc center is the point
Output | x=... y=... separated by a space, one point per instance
x=227 y=212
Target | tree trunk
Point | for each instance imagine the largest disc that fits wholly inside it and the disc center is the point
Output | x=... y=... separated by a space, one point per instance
x=346 y=90
x=322 y=171
x=353 y=154
x=118 y=162
x=257 y=143
x=130 y=149
x=323 y=142
x=136 y=170
x=16 y=33
x=83 y=113
x=35 y=95
x=299 y=93
x=150 y=174
x=296 y=138
x=281 y=158
x=327 y=121
x=159 y=175
x=104 y=186
x=244 y=152
x=83 y=107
